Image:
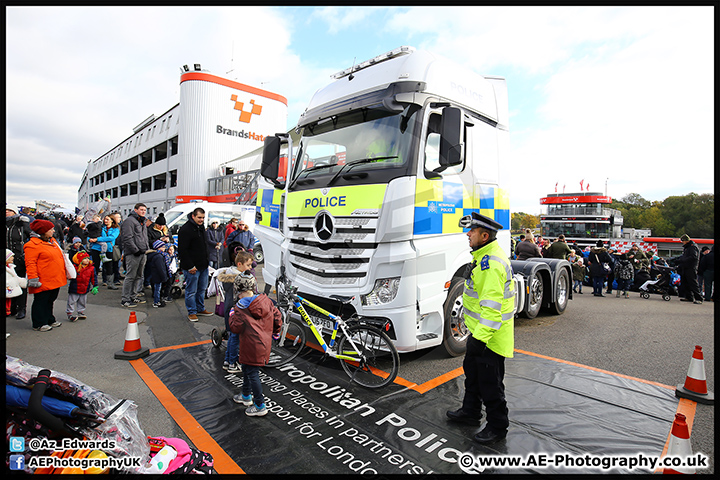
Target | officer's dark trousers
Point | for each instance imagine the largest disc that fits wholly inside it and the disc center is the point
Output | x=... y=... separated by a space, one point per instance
x=484 y=375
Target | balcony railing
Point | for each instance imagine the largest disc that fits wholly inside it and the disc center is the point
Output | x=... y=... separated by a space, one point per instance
x=568 y=211
x=244 y=183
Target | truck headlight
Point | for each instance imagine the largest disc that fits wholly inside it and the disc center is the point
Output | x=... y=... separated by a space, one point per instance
x=384 y=291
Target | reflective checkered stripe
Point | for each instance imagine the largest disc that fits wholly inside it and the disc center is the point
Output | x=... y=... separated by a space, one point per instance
x=269 y=205
x=441 y=203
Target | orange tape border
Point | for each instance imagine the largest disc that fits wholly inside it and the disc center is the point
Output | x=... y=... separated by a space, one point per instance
x=223 y=464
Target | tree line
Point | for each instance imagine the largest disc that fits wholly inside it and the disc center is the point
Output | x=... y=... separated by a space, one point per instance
x=692 y=214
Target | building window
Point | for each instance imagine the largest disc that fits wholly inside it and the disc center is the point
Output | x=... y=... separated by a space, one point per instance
x=161 y=152
x=146 y=185
x=146 y=158
x=115 y=192
x=173 y=178
x=124 y=167
x=133 y=164
x=123 y=190
x=174 y=143
x=133 y=188
x=159 y=182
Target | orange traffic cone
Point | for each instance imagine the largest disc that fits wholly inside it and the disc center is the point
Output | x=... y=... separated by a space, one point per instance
x=132 y=349
x=679 y=444
x=695 y=387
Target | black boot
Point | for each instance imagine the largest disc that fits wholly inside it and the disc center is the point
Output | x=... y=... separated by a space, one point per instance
x=460 y=416
x=487 y=436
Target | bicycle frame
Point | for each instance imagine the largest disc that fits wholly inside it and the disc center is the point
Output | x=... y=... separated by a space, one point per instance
x=298 y=302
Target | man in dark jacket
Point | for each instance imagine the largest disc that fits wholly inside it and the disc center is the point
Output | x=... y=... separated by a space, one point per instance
x=558 y=249
x=194 y=263
x=706 y=270
x=598 y=256
x=134 y=241
x=687 y=264
x=215 y=237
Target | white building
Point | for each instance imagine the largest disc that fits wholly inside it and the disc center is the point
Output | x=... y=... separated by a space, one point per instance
x=168 y=159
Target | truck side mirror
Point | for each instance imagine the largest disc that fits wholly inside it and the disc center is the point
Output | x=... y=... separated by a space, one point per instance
x=271 y=159
x=451 y=128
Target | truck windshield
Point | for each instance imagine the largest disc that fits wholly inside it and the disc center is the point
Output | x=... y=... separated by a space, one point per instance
x=342 y=148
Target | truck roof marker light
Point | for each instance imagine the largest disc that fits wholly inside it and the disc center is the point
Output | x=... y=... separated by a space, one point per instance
x=373 y=61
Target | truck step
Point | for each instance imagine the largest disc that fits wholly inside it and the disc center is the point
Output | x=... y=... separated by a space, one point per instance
x=426 y=336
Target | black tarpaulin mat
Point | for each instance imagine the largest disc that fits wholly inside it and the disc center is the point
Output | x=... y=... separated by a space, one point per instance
x=320 y=423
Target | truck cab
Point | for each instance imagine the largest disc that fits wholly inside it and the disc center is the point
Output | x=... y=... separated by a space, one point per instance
x=391 y=155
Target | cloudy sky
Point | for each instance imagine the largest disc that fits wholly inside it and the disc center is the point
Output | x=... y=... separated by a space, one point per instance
x=616 y=96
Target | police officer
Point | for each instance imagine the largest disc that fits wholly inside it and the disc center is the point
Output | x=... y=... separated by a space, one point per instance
x=488 y=304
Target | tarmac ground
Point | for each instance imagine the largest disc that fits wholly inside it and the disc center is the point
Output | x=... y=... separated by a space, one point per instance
x=650 y=340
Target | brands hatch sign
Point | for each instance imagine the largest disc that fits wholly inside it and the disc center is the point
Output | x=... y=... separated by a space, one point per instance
x=245 y=117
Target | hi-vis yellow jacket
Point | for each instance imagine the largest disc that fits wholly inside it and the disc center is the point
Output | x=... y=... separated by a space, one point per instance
x=489 y=300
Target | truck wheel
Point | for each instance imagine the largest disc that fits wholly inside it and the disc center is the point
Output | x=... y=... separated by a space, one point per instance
x=561 y=292
x=535 y=297
x=455 y=333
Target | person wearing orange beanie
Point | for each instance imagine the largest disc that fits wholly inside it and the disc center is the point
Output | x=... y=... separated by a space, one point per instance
x=46 y=273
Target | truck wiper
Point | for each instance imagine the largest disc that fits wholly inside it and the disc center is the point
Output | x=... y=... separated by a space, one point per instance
x=349 y=165
x=316 y=167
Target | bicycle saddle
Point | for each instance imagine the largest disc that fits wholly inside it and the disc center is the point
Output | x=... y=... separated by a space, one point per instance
x=341 y=299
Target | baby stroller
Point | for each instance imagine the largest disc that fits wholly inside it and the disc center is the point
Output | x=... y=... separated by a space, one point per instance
x=177 y=285
x=222 y=292
x=223 y=302
x=663 y=283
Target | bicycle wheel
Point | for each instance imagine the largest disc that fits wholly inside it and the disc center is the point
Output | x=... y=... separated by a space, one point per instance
x=380 y=360
x=292 y=339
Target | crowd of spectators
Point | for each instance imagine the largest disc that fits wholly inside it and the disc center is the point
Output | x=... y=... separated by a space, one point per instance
x=132 y=253
x=604 y=268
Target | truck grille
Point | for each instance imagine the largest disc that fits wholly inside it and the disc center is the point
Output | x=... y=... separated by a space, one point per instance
x=343 y=259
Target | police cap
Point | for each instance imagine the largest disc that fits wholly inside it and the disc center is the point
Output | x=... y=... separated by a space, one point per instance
x=475 y=220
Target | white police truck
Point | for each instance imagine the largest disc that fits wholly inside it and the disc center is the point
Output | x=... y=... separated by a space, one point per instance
x=391 y=154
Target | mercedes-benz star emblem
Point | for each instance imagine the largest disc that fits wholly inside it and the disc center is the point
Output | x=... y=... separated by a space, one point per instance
x=323 y=226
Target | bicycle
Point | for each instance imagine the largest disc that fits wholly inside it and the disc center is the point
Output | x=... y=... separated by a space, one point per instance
x=366 y=353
